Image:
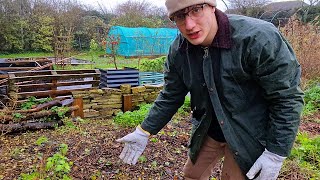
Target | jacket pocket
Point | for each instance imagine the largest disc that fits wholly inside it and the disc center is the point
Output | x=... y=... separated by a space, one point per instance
x=195 y=125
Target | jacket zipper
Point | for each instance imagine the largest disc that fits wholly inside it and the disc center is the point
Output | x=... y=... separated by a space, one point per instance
x=206 y=52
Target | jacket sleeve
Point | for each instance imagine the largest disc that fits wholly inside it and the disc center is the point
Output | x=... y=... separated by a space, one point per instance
x=278 y=72
x=169 y=100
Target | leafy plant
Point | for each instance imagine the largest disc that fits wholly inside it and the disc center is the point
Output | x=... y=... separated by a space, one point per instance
x=153 y=65
x=142 y=159
x=61 y=111
x=41 y=140
x=17 y=116
x=154 y=140
x=32 y=101
x=307 y=153
x=58 y=164
x=134 y=118
x=57 y=167
x=185 y=108
x=312 y=100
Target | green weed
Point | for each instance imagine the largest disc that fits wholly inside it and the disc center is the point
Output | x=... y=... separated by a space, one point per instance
x=307 y=153
x=41 y=140
x=61 y=111
x=134 y=118
x=32 y=101
x=57 y=167
x=312 y=100
x=142 y=159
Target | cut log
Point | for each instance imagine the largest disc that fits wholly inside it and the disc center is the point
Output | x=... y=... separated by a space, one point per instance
x=19 y=127
x=34 y=115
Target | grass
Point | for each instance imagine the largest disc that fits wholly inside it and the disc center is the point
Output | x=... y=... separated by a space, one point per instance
x=26 y=55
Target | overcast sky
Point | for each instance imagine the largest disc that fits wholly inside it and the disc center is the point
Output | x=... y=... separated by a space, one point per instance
x=110 y=4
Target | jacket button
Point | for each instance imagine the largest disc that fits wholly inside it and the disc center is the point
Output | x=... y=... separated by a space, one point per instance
x=211 y=89
x=236 y=153
x=221 y=122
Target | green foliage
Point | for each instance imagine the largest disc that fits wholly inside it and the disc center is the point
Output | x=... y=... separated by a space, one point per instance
x=154 y=140
x=31 y=176
x=309 y=14
x=42 y=33
x=153 y=65
x=32 y=101
x=58 y=164
x=26 y=54
x=61 y=111
x=185 y=108
x=134 y=118
x=41 y=140
x=312 y=100
x=142 y=159
x=18 y=116
x=307 y=153
x=29 y=103
x=57 y=167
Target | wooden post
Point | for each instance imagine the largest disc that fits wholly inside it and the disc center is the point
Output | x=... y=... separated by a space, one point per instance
x=127 y=102
x=78 y=102
x=54 y=82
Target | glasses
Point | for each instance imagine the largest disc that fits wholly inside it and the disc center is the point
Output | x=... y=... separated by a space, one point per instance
x=194 y=12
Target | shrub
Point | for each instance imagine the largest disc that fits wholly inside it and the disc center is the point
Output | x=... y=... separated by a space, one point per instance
x=305 y=40
x=152 y=65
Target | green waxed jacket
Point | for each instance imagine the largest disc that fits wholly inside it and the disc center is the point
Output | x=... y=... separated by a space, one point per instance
x=255 y=94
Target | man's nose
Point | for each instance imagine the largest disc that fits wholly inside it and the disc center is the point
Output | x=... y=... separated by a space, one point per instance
x=189 y=22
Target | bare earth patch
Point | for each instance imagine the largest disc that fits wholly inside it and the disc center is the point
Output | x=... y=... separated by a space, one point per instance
x=94 y=152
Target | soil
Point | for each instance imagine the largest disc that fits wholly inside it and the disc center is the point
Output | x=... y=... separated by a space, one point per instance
x=94 y=153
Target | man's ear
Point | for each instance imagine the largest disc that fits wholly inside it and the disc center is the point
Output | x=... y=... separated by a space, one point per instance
x=213 y=9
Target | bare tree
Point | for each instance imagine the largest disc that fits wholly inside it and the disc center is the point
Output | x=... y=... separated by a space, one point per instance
x=251 y=8
x=241 y=4
x=311 y=2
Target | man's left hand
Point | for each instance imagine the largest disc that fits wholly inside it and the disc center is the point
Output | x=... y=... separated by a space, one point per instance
x=268 y=164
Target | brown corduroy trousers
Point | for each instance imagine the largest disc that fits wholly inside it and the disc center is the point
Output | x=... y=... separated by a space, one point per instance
x=210 y=154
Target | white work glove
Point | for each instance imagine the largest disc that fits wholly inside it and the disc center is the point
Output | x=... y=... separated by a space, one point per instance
x=269 y=164
x=135 y=143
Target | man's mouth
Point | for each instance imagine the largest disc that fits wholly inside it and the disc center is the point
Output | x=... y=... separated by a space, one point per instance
x=194 y=35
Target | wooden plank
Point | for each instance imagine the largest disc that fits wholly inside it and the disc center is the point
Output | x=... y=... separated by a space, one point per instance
x=50 y=93
x=51 y=77
x=59 y=84
x=79 y=112
x=58 y=72
x=3 y=76
x=29 y=73
x=14 y=68
x=127 y=102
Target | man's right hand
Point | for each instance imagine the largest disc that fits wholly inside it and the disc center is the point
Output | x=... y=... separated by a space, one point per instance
x=135 y=143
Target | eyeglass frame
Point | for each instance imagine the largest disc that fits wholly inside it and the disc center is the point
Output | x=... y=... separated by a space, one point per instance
x=185 y=14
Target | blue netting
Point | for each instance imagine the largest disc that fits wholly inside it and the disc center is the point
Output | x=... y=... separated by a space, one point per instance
x=142 y=41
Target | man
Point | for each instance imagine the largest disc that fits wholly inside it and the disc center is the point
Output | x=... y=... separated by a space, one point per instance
x=243 y=78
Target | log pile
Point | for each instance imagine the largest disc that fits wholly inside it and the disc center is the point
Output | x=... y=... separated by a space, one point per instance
x=39 y=117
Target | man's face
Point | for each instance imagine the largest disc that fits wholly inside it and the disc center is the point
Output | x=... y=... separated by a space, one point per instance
x=197 y=24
